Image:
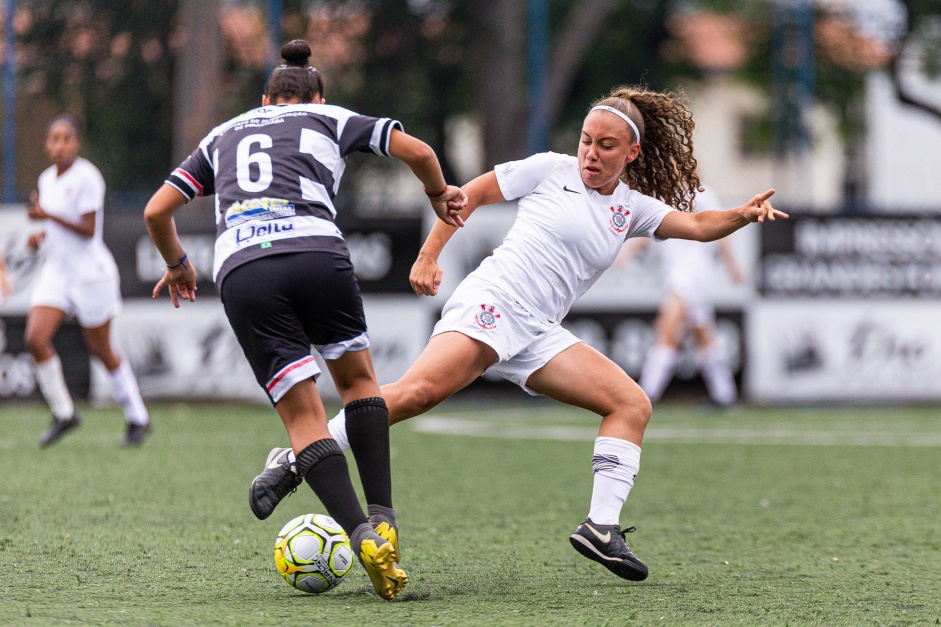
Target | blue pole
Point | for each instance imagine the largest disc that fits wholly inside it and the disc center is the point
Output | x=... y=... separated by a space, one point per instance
x=274 y=32
x=806 y=72
x=537 y=55
x=9 y=103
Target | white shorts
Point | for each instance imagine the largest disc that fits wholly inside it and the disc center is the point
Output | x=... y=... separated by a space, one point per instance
x=523 y=343
x=93 y=302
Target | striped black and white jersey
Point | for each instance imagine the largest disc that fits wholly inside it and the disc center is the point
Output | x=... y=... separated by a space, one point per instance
x=275 y=171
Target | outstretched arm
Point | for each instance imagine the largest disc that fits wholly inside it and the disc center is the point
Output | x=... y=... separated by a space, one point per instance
x=180 y=275
x=708 y=226
x=446 y=200
x=426 y=273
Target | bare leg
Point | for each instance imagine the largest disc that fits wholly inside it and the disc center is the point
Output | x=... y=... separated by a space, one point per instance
x=41 y=326
x=123 y=382
x=583 y=377
x=98 y=341
x=303 y=415
x=449 y=363
x=662 y=354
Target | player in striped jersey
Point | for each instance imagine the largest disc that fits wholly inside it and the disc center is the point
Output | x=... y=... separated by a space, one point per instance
x=285 y=277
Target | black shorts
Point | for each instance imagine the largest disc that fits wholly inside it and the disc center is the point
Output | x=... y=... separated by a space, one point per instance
x=280 y=305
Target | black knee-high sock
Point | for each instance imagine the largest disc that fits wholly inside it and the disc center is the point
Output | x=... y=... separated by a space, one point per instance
x=367 y=427
x=324 y=467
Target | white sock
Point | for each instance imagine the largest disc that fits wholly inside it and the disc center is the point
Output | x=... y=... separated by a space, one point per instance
x=53 y=388
x=718 y=376
x=657 y=370
x=125 y=390
x=337 y=428
x=615 y=464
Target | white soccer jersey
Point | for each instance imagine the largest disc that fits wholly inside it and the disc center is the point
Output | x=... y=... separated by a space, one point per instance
x=80 y=190
x=688 y=265
x=565 y=234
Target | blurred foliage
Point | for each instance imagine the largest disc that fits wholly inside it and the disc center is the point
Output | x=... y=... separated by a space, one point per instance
x=110 y=62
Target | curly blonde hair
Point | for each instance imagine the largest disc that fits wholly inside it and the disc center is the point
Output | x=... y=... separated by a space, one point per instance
x=665 y=167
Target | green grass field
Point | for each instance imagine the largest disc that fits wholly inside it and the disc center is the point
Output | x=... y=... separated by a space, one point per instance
x=752 y=516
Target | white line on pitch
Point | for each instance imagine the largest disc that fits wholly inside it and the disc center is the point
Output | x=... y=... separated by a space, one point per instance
x=719 y=435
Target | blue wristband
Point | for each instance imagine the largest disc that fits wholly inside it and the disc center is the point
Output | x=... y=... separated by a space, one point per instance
x=181 y=263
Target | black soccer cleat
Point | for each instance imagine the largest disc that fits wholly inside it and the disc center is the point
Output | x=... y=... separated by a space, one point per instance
x=58 y=428
x=605 y=544
x=276 y=481
x=136 y=434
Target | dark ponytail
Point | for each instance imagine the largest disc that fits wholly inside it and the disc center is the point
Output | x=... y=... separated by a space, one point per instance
x=294 y=78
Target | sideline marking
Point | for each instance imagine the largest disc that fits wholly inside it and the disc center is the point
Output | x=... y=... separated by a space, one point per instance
x=688 y=435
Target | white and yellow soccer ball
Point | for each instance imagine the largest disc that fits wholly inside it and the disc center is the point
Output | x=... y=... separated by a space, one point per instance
x=313 y=553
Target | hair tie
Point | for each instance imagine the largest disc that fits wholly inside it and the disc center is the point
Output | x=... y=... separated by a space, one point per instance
x=620 y=115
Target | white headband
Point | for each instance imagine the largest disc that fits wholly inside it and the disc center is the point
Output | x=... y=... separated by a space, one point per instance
x=620 y=115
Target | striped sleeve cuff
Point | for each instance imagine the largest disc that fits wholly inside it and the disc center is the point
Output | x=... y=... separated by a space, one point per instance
x=186 y=183
x=383 y=134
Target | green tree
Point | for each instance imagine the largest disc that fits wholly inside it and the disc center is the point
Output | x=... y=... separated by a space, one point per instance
x=110 y=61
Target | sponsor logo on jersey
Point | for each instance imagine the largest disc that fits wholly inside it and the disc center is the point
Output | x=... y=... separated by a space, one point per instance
x=245 y=234
x=487 y=317
x=258 y=209
x=618 y=220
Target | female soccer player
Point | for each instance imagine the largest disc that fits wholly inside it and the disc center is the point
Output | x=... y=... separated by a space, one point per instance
x=80 y=278
x=635 y=175
x=687 y=306
x=284 y=273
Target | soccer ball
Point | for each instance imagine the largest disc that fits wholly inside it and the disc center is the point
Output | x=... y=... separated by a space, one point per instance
x=313 y=553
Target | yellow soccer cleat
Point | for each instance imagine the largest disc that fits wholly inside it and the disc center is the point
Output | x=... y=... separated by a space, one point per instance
x=387 y=532
x=379 y=560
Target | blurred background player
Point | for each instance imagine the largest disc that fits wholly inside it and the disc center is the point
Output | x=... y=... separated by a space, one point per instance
x=688 y=274
x=634 y=168
x=284 y=273
x=79 y=278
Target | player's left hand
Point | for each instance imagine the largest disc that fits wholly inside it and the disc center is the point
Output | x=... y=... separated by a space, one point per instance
x=759 y=209
x=180 y=282
x=33 y=209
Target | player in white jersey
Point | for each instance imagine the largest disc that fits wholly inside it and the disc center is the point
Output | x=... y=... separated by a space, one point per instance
x=78 y=278
x=687 y=306
x=634 y=168
x=286 y=280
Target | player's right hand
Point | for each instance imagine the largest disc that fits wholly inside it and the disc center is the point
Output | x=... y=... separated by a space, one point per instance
x=180 y=282
x=425 y=276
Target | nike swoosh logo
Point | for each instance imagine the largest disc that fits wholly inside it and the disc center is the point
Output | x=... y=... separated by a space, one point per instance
x=571 y=191
x=604 y=538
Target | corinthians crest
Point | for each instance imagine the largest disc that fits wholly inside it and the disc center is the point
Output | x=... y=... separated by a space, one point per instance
x=618 y=220
x=486 y=318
